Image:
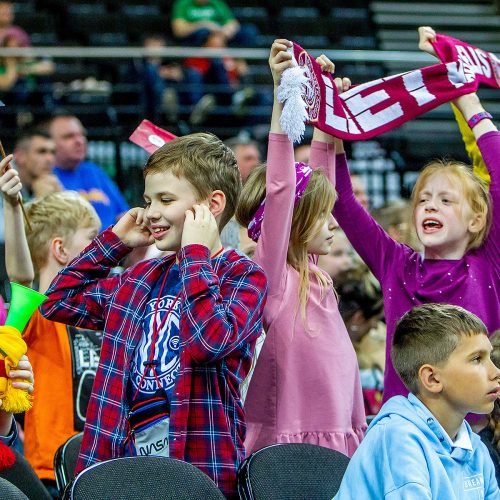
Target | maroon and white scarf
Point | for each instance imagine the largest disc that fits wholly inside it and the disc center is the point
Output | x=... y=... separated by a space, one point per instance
x=371 y=109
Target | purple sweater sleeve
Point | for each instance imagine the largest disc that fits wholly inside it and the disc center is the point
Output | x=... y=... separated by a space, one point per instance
x=377 y=249
x=489 y=144
x=272 y=246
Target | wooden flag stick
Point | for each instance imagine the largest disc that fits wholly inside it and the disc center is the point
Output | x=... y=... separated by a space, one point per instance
x=25 y=215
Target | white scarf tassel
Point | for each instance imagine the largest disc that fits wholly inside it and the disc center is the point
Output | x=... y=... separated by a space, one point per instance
x=294 y=115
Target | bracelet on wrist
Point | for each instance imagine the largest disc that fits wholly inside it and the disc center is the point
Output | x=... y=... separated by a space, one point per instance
x=475 y=119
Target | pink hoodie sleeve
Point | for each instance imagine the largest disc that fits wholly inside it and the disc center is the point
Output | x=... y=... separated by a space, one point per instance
x=272 y=246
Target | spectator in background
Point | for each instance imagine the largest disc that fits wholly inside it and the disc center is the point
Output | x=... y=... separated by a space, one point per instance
x=340 y=256
x=165 y=85
x=247 y=153
x=7 y=29
x=34 y=155
x=395 y=218
x=35 y=160
x=359 y=190
x=361 y=308
x=86 y=177
x=19 y=76
x=211 y=24
x=194 y=22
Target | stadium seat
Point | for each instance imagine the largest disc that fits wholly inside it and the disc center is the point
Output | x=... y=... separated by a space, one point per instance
x=292 y=470
x=142 y=478
x=10 y=492
x=65 y=461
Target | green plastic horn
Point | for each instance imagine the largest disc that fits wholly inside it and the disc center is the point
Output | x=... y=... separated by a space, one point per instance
x=23 y=303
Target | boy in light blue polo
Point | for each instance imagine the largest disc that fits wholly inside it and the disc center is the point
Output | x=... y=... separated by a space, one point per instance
x=420 y=447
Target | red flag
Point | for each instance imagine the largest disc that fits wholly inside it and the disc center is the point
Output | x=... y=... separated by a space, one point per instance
x=150 y=137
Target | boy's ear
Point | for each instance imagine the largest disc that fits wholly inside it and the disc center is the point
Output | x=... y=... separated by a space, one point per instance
x=58 y=251
x=217 y=202
x=477 y=223
x=429 y=379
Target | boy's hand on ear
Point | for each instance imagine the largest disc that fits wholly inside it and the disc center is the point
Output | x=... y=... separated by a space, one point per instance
x=132 y=229
x=200 y=228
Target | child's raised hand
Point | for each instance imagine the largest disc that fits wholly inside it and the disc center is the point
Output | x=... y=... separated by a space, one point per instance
x=342 y=84
x=426 y=36
x=132 y=229
x=279 y=59
x=200 y=228
x=10 y=183
x=325 y=64
x=328 y=66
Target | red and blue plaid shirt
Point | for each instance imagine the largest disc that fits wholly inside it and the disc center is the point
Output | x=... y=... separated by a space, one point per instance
x=222 y=304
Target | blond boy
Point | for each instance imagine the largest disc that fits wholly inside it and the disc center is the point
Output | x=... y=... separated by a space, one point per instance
x=65 y=358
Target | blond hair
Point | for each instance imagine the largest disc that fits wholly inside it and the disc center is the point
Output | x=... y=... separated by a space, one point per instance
x=56 y=215
x=314 y=206
x=475 y=192
x=206 y=163
x=428 y=334
x=494 y=421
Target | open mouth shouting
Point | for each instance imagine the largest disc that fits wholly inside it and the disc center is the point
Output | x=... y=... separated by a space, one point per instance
x=431 y=225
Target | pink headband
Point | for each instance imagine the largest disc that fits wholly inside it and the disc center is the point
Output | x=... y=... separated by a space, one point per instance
x=302 y=175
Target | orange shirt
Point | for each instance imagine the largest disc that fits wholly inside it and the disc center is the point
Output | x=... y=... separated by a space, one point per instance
x=64 y=361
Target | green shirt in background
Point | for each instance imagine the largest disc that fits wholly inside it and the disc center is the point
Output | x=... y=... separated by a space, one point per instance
x=216 y=11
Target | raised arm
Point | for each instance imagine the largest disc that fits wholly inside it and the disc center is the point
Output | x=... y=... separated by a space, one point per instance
x=487 y=138
x=17 y=255
x=488 y=141
x=79 y=293
x=323 y=146
x=272 y=247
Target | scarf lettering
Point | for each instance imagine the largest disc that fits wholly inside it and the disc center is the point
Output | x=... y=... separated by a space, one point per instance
x=375 y=107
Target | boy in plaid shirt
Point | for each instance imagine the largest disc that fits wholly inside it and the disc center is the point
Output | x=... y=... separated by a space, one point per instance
x=179 y=331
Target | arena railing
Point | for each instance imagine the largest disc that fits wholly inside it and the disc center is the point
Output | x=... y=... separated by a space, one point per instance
x=250 y=54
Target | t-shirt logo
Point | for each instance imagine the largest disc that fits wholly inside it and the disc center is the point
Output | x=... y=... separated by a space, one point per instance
x=474 y=482
x=166 y=348
x=85 y=348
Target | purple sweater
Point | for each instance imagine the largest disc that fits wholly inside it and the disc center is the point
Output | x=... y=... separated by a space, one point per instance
x=407 y=279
